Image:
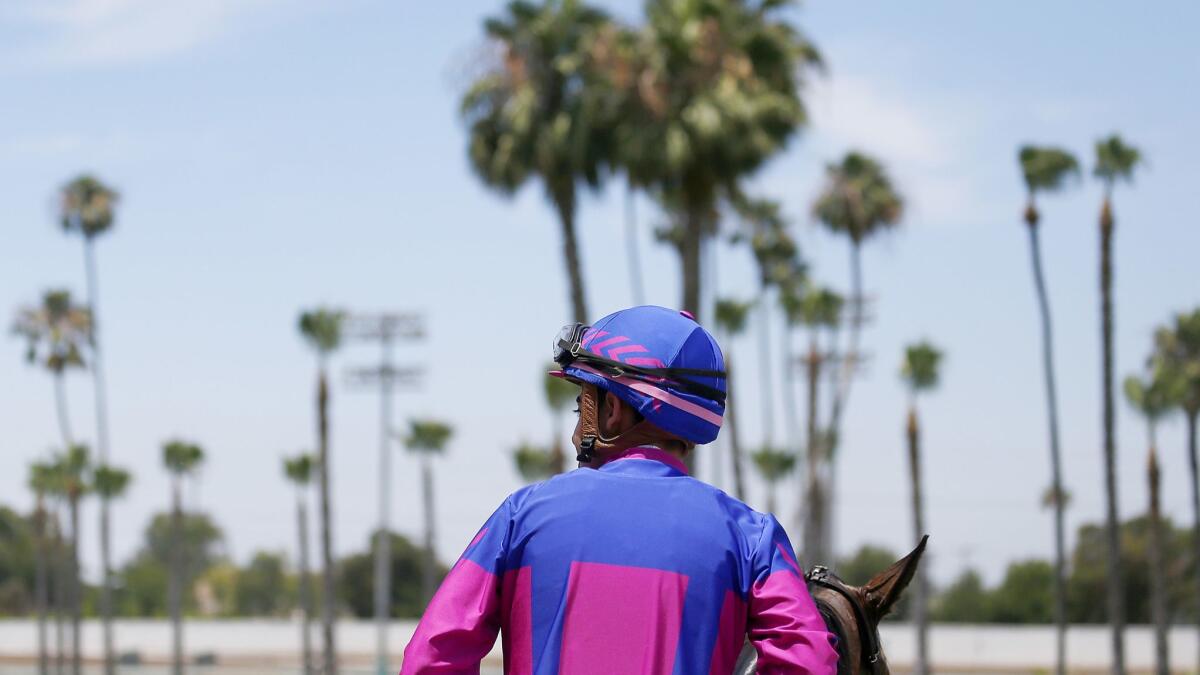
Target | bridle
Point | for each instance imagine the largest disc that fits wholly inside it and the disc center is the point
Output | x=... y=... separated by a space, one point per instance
x=872 y=654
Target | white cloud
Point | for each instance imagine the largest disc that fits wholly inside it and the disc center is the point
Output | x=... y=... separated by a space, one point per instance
x=115 y=32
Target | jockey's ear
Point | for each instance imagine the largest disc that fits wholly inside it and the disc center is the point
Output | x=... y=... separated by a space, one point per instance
x=884 y=589
x=616 y=416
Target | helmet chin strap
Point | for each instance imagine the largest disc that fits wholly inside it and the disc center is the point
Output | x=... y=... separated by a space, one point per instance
x=593 y=445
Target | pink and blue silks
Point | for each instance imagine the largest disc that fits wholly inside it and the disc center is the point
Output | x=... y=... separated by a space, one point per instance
x=634 y=568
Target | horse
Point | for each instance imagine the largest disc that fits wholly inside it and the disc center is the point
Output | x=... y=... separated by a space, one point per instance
x=852 y=614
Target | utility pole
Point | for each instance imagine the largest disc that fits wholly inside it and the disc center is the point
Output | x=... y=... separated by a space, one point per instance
x=384 y=328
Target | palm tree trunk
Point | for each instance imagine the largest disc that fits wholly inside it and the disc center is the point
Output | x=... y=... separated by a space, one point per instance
x=1191 y=416
x=61 y=576
x=920 y=599
x=689 y=252
x=1060 y=584
x=1116 y=610
x=428 y=573
x=76 y=595
x=735 y=444
x=40 y=584
x=631 y=246
x=771 y=495
x=564 y=201
x=305 y=588
x=814 y=551
x=175 y=580
x=764 y=368
x=329 y=596
x=1158 y=572
x=792 y=422
x=842 y=393
x=99 y=388
x=64 y=420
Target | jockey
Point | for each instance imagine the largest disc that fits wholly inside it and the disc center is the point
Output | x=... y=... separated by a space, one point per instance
x=628 y=565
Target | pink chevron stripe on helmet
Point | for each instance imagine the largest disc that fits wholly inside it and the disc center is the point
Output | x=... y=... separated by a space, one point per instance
x=595 y=348
x=625 y=349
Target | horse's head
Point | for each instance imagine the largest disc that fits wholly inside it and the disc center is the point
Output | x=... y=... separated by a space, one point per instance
x=853 y=612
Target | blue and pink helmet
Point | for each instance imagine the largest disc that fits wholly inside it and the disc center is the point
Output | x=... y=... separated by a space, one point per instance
x=659 y=361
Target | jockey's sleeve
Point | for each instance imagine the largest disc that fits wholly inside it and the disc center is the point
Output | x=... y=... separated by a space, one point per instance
x=460 y=624
x=784 y=625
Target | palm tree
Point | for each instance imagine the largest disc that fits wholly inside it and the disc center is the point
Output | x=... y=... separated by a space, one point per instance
x=299 y=470
x=1115 y=161
x=731 y=322
x=74 y=471
x=41 y=481
x=322 y=329
x=817 y=309
x=86 y=208
x=710 y=92
x=1046 y=170
x=59 y=562
x=1178 y=353
x=533 y=463
x=1153 y=399
x=181 y=459
x=777 y=258
x=560 y=394
x=109 y=483
x=773 y=464
x=537 y=112
x=857 y=201
x=427 y=438
x=56 y=334
x=920 y=373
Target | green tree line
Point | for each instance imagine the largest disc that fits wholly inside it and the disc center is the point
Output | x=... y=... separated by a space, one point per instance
x=214 y=585
x=1025 y=594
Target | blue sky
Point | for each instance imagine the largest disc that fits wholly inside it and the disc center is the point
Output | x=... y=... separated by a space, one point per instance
x=273 y=156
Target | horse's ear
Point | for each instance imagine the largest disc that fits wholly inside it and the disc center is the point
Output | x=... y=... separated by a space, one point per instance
x=885 y=588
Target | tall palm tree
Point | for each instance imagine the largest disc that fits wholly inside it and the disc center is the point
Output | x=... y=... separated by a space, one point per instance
x=778 y=263
x=773 y=464
x=109 y=483
x=321 y=328
x=181 y=459
x=41 y=477
x=817 y=309
x=59 y=561
x=731 y=322
x=537 y=113
x=299 y=470
x=534 y=463
x=86 y=208
x=427 y=438
x=858 y=201
x=1047 y=169
x=1115 y=161
x=56 y=334
x=1153 y=399
x=1177 y=354
x=74 y=472
x=711 y=92
x=920 y=373
x=560 y=395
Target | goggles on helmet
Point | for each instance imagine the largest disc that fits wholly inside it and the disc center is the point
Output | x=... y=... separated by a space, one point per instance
x=568 y=348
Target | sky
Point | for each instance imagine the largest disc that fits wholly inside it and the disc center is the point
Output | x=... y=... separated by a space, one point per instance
x=275 y=156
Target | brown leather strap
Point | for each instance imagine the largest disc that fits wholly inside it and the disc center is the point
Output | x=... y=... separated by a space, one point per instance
x=594 y=447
